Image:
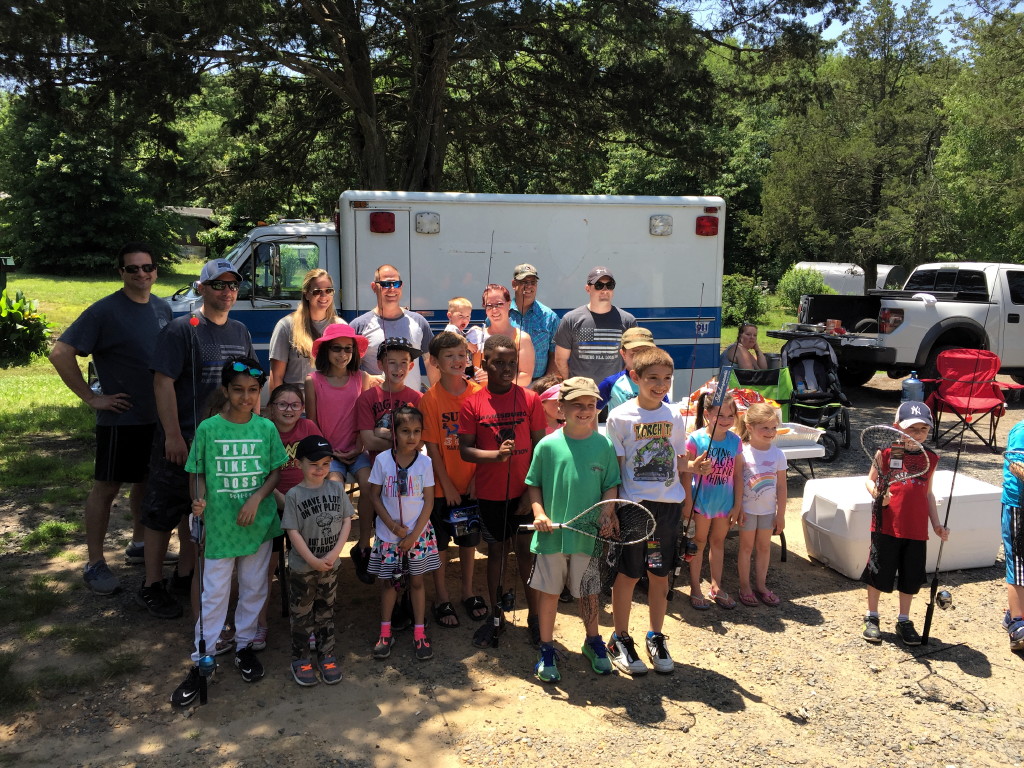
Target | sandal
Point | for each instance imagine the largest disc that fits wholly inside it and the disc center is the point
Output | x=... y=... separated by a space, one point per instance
x=699 y=602
x=446 y=611
x=749 y=599
x=723 y=600
x=475 y=607
x=769 y=598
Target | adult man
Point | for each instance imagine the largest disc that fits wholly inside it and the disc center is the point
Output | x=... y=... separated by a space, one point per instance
x=186 y=365
x=118 y=331
x=530 y=315
x=388 y=320
x=588 y=338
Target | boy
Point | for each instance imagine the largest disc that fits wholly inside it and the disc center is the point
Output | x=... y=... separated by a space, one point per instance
x=498 y=427
x=460 y=310
x=650 y=441
x=453 y=477
x=396 y=357
x=237 y=456
x=1013 y=535
x=898 y=550
x=572 y=469
x=317 y=518
x=619 y=387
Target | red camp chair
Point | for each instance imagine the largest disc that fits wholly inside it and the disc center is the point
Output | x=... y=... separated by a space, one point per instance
x=968 y=390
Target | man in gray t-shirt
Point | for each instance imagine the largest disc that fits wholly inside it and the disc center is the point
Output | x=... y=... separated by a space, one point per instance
x=588 y=338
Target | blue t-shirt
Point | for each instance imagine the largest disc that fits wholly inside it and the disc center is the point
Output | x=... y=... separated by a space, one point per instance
x=713 y=494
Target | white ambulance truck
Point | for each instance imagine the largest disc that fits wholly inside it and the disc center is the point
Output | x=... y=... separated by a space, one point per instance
x=665 y=253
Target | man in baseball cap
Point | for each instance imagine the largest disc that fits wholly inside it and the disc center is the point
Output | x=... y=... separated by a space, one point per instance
x=528 y=314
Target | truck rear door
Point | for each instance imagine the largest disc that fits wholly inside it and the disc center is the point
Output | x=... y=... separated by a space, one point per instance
x=381 y=237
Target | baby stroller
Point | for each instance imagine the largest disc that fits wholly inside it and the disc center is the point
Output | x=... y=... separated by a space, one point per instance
x=818 y=399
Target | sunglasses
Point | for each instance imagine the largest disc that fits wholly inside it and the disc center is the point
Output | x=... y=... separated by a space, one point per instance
x=322 y=292
x=389 y=283
x=489 y=307
x=220 y=285
x=338 y=349
x=132 y=269
x=243 y=368
x=605 y=285
x=287 y=406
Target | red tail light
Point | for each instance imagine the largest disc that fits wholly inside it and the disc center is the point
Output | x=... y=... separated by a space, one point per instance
x=889 y=320
x=707 y=226
x=382 y=222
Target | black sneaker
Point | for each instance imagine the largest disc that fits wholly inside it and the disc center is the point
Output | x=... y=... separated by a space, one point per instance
x=423 y=649
x=155 y=599
x=178 y=585
x=248 y=664
x=907 y=633
x=871 y=632
x=186 y=693
x=361 y=559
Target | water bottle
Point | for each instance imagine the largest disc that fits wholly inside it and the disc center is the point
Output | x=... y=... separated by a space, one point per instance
x=913 y=388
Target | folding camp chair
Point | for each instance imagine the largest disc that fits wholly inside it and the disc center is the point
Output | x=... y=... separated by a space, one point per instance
x=967 y=389
x=772 y=384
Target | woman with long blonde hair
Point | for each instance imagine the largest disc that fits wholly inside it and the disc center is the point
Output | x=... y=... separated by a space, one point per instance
x=291 y=345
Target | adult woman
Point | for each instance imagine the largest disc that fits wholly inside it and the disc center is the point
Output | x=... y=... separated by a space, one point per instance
x=497 y=303
x=745 y=352
x=291 y=344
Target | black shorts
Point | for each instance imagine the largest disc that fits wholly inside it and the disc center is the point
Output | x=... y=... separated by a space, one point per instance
x=122 y=453
x=892 y=560
x=443 y=529
x=657 y=555
x=167 y=498
x=498 y=525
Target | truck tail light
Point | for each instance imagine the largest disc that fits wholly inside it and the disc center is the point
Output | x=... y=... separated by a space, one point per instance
x=382 y=222
x=707 y=226
x=889 y=320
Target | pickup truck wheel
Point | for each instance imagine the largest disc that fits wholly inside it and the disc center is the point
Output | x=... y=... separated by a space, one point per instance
x=855 y=375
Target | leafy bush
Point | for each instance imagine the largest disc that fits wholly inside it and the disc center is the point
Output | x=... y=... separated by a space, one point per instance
x=23 y=331
x=742 y=300
x=797 y=282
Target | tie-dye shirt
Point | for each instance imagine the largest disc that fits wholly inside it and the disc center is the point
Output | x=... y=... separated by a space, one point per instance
x=760 y=479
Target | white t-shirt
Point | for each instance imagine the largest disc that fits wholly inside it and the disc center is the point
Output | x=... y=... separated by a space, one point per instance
x=650 y=442
x=420 y=480
x=760 y=480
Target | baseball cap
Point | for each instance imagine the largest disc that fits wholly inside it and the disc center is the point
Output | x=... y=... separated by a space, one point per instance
x=314 y=448
x=578 y=386
x=597 y=273
x=217 y=267
x=525 y=270
x=637 y=337
x=397 y=343
x=341 y=331
x=913 y=412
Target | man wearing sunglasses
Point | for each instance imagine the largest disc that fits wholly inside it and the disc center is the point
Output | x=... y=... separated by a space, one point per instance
x=118 y=331
x=588 y=338
x=389 y=320
x=186 y=363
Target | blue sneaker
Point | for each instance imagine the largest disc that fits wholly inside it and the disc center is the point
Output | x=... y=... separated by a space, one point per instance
x=1016 y=632
x=1006 y=619
x=546 y=669
x=597 y=654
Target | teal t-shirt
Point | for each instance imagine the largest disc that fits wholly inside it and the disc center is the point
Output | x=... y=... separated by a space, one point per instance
x=572 y=475
x=235 y=460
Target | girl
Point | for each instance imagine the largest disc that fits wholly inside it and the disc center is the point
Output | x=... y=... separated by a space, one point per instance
x=717 y=493
x=497 y=305
x=764 y=500
x=402 y=492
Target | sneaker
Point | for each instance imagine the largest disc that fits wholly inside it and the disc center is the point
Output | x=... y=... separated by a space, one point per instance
x=423 y=649
x=248 y=664
x=623 y=653
x=658 y=653
x=907 y=633
x=330 y=672
x=566 y=596
x=178 y=585
x=546 y=669
x=1016 y=632
x=383 y=647
x=302 y=671
x=135 y=554
x=259 y=640
x=225 y=642
x=361 y=559
x=100 y=580
x=596 y=653
x=186 y=693
x=533 y=627
x=155 y=599
x=870 y=630
x=1006 y=620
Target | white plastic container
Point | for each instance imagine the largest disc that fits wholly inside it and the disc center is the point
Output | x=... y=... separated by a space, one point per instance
x=836 y=516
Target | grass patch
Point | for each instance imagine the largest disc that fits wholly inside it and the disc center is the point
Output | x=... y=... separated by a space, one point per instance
x=51 y=537
x=31 y=599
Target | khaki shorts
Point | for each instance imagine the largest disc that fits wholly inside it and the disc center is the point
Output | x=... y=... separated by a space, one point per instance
x=553 y=572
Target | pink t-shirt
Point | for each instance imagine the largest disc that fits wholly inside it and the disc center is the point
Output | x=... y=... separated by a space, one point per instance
x=336 y=408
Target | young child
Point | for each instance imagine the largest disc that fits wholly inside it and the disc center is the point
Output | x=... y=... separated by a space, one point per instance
x=234 y=460
x=547 y=388
x=764 y=501
x=717 y=493
x=899 y=549
x=498 y=427
x=396 y=356
x=317 y=518
x=1013 y=531
x=453 y=477
x=460 y=310
x=572 y=469
x=620 y=387
x=649 y=438
x=401 y=488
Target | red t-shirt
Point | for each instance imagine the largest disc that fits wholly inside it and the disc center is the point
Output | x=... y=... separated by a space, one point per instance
x=374 y=407
x=907 y=516
x=291 y=472
x=493 y=419
x=441 y=426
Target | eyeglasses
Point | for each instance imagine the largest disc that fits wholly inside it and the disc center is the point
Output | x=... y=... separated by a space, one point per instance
x=132 y=269
x=498 y=305
x=389 y=283
x=322 y=292
x=287 y=406
x=402 y=478
x=605 y=285
x=220 y=285
x=338 y=349
x=243 y=368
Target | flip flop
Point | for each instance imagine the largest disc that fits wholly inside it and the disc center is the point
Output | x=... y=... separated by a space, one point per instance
x=445 y=611
x=699 y=603
x=475 y=607
x=749 y=599
x=723 y=600
x=769 y=598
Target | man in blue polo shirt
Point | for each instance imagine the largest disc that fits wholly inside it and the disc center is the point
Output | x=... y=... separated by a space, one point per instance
x=530 y=315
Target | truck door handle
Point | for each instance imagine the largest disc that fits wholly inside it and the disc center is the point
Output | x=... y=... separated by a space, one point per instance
x=1014 y=318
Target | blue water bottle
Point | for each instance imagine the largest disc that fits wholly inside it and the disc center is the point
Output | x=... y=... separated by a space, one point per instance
x=913 y=388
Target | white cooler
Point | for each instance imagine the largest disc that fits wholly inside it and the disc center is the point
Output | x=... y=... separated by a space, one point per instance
x=837 y=523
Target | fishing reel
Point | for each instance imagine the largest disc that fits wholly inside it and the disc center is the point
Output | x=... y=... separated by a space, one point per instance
x=207 y=664
x=944 y=599
x=508 y=601
x=463 y=520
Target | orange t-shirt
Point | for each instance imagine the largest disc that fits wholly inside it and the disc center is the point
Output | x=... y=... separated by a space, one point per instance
x=441 y=426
